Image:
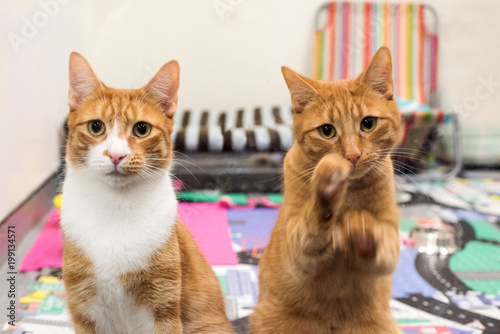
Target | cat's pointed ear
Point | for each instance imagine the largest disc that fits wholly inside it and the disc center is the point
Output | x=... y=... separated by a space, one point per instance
x=82 y=80
x=164 y=86
x=301 y=89
x=378 y=75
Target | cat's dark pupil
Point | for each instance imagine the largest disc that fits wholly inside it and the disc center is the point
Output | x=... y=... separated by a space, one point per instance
x=368 y=122
x=142 y=128
x=327 y=130
x=96 y=126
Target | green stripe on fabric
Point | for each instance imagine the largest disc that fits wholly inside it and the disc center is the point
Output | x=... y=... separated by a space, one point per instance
x=427 y=117
x=275 y=198
x=320 y=44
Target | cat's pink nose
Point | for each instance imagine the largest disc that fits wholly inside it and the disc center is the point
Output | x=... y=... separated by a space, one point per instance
x=354 y=158
x=116 y=158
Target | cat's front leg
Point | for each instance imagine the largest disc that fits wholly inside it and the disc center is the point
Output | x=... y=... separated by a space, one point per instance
x=372 y=243
x=168 y=325
x=83 y=325
x=309 y=229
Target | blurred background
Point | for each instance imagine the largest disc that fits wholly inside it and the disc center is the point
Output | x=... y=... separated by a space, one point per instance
x=230 y=52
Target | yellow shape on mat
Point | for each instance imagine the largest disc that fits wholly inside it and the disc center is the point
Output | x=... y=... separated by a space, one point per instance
x=48 y=279
x=36 y=297
x=58 y=201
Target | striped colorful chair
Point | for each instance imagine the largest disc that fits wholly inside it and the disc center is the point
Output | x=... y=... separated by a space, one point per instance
x=353 y=32
x=347 y=35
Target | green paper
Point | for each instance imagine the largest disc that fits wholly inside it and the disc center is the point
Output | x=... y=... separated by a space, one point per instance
x=223 y=284
x=407 y=224
x=484 y=230
x=486 y=287
x=476 y=256
x=52 y=304
x=276 y=198
x=198 y=196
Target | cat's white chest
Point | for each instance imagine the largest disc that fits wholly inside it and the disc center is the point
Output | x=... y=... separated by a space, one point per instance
x=115 y=312
x=117 y=229
x=119 y=232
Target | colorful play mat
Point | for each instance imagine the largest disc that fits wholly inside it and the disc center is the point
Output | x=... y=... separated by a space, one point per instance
x=447 y=281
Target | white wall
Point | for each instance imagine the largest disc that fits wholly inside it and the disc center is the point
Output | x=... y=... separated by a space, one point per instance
x=226 y=61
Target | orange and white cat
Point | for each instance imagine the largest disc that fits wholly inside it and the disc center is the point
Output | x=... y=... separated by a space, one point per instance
x=130 y=266
x=335 y=243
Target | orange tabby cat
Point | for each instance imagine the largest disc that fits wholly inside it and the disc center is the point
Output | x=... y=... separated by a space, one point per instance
x=130 y=266
x=335 y=244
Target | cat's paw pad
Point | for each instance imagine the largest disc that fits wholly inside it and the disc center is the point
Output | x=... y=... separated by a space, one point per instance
x=329 y=178
x=359 y=234
x=371 y=245
x=363 y=244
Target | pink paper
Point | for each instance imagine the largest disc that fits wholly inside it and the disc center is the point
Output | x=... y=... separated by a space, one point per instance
x=206 y=222
x=47 y=249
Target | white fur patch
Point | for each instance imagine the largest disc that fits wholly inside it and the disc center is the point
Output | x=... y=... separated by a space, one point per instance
x=114 y=144
x=119 y=229
x=116 y=313
x=100 y=162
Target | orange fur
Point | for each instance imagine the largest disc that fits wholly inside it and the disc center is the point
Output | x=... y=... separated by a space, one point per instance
x=177 y=284
x=335 y=244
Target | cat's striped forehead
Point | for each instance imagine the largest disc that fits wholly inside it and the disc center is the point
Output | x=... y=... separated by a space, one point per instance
x=123 y=108
x=118 y=105
x=345 y=102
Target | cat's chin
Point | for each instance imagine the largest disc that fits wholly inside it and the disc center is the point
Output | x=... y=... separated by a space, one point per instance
x=359 y=172
x=117 y=180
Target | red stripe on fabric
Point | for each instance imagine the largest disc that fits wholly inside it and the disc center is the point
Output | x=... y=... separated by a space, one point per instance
x=413 y=117
x=345 y=29
x=406 y=131
x=368 y=34
x=332 y=11
x=434 y=43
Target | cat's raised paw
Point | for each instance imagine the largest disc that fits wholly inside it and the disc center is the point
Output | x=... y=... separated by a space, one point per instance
x=329 y=179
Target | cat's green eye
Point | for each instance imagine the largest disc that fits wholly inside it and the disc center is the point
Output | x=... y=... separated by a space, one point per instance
x=96 y=127
x=142 y=129
x=368 y=124
x=327 y=131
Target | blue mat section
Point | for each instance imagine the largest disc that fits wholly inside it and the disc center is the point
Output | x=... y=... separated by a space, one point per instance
x=251 y=228
x=406 y=280
x=468 y=215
